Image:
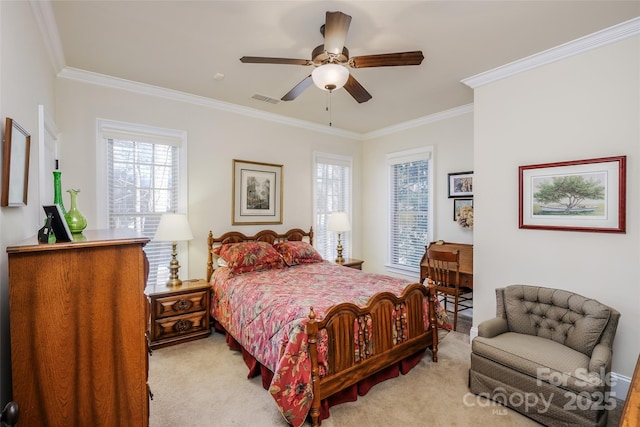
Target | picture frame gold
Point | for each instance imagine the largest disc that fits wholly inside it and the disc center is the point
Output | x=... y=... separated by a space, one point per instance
x=257 y=193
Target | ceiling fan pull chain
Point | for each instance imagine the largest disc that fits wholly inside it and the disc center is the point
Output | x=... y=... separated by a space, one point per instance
x=328 y=107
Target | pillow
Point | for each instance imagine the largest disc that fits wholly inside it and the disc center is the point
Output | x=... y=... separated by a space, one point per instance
x=298 y=252
x=249 y=256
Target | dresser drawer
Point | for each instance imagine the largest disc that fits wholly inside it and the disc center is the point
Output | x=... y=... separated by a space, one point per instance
x=180 y=304
x=183 y=325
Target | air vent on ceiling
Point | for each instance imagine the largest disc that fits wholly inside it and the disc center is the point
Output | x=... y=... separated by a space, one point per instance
x=265 y=98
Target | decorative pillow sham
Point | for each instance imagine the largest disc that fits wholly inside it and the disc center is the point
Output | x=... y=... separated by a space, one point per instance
x=298 y=252
x=249 y=256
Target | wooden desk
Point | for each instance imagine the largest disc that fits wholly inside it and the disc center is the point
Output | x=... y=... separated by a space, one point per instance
x=466 y=261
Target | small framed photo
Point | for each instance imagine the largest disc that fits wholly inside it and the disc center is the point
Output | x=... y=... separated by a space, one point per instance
x=457 y=204
x=257 y=193
x=461 y=184
x=58 y=223
x=579 y=195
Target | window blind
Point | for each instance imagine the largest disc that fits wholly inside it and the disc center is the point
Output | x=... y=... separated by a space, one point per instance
x=332 y=194
x=143 y=182
x=408 y=210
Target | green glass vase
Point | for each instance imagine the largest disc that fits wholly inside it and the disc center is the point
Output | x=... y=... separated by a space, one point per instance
x=75 y=220
x=57 y=190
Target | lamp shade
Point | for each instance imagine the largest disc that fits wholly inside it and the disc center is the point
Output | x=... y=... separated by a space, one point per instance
x=330 y=76
x=173 y=228
x=339 y=221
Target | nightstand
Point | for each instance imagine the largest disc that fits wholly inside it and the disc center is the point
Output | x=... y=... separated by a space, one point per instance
x=179 y=313
x=352 y=262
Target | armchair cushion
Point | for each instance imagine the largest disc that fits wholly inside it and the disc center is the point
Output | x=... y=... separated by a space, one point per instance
x=540 y=358
x=558 y=315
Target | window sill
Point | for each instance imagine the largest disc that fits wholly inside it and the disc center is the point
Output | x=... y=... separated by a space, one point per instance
x=405 y=271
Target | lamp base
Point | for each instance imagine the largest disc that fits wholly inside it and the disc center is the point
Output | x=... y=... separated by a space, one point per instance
x=339 y=258
x=174 y=266
x=174 y=282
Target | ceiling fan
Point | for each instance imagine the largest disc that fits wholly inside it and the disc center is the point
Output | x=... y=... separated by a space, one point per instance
x=332 y=59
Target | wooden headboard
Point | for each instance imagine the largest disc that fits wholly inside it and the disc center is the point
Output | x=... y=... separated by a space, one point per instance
x=268 y=236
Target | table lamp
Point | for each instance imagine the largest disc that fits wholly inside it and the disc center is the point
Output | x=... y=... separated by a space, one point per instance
x=339 y=221
x=173 y=228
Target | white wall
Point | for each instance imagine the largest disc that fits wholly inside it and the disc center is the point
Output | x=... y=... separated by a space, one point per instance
x=586 y=106
x=452 y=142
x=26 y=80
x=215 y=137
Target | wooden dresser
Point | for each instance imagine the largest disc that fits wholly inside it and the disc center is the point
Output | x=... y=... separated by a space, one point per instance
x=631 y=411
x=78 y=318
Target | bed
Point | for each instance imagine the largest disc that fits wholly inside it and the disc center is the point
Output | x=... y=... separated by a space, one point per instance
x=318 y=333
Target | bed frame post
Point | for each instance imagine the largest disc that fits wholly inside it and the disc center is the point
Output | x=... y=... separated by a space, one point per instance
x=312 y=339
x=209 y=255
x=433 y=321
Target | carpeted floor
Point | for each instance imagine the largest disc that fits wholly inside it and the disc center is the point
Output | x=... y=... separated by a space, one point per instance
x=203 y=383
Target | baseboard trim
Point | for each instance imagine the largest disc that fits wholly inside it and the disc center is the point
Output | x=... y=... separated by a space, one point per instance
x=620 y=384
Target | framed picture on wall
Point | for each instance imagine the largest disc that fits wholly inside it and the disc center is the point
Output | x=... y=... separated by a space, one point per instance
x=579 y=195
x=15 y=165
x=257 y=193
x=461 y=184
x=457 y=204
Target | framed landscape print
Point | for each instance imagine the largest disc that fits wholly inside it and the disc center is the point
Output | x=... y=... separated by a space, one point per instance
x=257 y=193
x=461 y=184
x=580 y=195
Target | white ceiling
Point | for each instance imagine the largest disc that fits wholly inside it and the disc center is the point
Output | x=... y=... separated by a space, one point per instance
x=181 y=45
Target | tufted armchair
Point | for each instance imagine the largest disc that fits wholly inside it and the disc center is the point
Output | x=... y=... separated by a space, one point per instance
x=547 y=354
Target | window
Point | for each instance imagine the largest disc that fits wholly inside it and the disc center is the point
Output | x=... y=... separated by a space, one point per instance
x=143 y=177
x=332 y=194
x=409 y=207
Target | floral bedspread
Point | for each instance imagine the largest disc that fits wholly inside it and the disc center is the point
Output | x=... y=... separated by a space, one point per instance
x=266 y=312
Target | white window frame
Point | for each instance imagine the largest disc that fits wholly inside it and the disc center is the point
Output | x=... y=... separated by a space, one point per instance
x=423 y=153
x=340 y=160
x=111 y=129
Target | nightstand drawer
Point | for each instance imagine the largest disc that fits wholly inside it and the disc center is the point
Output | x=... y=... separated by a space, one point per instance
x=180 y=304
x=182 y=326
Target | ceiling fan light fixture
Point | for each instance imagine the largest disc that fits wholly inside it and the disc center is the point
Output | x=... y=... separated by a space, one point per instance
x=330 y=77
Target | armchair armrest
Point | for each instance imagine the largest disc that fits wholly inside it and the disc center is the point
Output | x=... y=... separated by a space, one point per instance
x=493 y=327
x=600 y=359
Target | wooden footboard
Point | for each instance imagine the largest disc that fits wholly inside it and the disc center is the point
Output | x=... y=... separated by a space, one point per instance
x=397 y=331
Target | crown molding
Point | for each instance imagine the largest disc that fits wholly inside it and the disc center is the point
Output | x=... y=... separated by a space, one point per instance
x=43 y=14
x=592 y=41
x=174 y=95
x=432 y=118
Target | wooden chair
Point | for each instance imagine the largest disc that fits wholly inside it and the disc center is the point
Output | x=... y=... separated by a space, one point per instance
x=444 y=271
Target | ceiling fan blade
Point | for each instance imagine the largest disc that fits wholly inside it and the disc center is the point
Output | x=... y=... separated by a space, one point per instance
x=335 y=31
x=387 y=59
x=298 y=89
x=265 y=60
x=356 y=90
